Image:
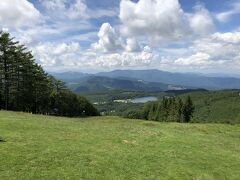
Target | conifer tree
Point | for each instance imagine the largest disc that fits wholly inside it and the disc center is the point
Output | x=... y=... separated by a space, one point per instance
x=170 y=110
x=25 y=86
x=188 y=109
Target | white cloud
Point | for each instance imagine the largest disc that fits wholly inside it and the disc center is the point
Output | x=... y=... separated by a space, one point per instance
x=111 y=51
x=109 y=41
x=226 y=15
x=98 y=13
x=219 y=50
x=220 y=46
x=56 y=54
x=76 y=9
x=202 y=54
x=124 y=59
x=61 y=8
x=198 y=59
x=53 y=4
x=58 y=30
x=201 y=21
x=124 y=45
x=64 y=21
x=70 y=55
x=132 y=45
x=18 y=13
x=229 y=37
x=162 y=20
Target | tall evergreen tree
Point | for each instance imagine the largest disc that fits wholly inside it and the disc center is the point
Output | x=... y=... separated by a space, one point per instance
x=24 y=86
x=180 y=106
x=170 y=110
x=188 y=109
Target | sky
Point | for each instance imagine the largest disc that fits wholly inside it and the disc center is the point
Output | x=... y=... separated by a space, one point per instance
x=101 y=35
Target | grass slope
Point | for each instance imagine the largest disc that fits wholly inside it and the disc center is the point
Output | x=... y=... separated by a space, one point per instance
x=43 y=147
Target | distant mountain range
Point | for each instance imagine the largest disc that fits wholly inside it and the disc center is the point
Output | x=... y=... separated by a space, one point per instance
x=98 y=83
x=147 y=80
x=70 y=76
x=183 y=79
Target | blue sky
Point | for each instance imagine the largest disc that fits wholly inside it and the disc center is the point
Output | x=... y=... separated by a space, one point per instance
x=89 y=35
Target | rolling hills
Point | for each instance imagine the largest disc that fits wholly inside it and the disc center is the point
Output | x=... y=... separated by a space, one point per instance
x=188 y=80
x=101 y=84
x=210 y=106
x=182 y=79
x=47 y=147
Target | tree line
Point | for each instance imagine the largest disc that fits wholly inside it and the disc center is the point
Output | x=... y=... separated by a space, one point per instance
x=169 y=109
x=25 y=86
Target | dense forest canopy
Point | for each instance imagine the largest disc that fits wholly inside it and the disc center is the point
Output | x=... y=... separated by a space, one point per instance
x=169 y=109
x=25 y=86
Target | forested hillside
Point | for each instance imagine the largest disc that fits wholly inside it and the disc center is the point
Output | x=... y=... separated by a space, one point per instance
x=170 y=110
x=216 y=106
x=209 y=107
x=25 y=86
x=183 y=79
x=97 y=84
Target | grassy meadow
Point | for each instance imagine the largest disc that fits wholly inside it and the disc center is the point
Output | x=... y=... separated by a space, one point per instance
x=47 y=147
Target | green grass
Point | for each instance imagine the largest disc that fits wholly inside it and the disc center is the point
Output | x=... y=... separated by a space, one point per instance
x=43 y=147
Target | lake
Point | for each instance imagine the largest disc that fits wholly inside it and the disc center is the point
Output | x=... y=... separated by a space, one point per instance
x=144 y=99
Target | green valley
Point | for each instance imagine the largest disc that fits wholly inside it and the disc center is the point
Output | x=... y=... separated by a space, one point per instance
x=210 y=106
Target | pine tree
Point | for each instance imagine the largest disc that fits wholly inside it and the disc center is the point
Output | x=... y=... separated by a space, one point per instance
x=152 y=112
x=7 y=49
x=188 y=109
x=180 y=110
x=24 y=86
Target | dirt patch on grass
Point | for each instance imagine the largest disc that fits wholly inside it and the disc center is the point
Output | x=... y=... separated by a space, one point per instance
x=133 y=142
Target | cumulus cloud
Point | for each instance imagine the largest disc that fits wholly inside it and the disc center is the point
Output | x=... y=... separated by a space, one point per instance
x=215 y=51
x=56 y=54
x=162 y=20
x=132 y=45
x=229 y=37
x=124 y=59
x=200 y=59
x=109 y=41
x=18 y=13
x=127 y=44
x=201 y=21
x=201 y=54
x=112 y=51
x=220 y=46
x=70 y=55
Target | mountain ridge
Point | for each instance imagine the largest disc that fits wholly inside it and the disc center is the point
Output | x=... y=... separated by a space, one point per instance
x=98 y=83
x=191 y=80
x=182 y=79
